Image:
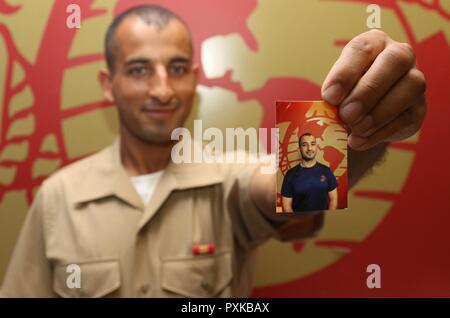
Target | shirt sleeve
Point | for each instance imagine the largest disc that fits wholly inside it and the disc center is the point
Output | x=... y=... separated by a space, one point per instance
x=286 y=187
x=250 y=227
x=332 y=184
x=29 y=273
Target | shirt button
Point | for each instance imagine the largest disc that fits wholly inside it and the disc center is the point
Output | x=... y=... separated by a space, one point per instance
x=145 y=288
x=205 y=285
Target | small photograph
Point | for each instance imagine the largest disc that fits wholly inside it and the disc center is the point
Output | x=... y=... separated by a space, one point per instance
x=312 y=170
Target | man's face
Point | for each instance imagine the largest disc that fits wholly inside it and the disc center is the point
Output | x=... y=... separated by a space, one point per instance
x=308 y=147
x=154 y=80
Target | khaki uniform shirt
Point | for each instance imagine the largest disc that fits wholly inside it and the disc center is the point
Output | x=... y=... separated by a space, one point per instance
x=89 y=214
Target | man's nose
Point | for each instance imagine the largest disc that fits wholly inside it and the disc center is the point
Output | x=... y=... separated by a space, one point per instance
x=161 y=88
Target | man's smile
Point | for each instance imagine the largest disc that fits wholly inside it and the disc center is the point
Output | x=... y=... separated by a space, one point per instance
x=160 y=113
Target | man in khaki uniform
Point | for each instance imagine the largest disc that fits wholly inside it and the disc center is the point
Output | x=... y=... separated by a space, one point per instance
x=137 y=225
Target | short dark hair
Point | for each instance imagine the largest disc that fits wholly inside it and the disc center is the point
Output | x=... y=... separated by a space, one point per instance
x=151 y=14
x=303 y=135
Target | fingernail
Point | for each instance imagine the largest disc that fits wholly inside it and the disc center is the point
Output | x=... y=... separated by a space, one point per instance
x=356 y=141
x=350 y=113
x=364 y=127
x=333 y=94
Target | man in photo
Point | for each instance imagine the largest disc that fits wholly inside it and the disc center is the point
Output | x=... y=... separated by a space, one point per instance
x=310 y=185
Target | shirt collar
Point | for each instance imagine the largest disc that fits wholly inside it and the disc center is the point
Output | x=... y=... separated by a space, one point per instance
x=107 y=177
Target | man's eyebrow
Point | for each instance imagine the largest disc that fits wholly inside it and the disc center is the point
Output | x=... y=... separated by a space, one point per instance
x=180 y=59
x=138 y=60
x=144 y=60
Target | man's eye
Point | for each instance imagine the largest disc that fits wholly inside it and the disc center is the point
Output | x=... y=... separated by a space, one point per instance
x=178 y=69
x=137 y=71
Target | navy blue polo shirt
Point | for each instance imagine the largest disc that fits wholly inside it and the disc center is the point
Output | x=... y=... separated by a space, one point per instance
x=309 y=187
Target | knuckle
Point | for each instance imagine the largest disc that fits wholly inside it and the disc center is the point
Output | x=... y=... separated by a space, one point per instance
x=408 y=116
x=418 y=79
x=408 y=47
x=410 y=121
x=414 y=117
x=403 y=53
x=378 y=33
x=373 y=88
x=362 y=45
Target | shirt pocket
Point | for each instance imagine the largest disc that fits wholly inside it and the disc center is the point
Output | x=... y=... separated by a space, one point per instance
x=97 y=279
x=198 y=276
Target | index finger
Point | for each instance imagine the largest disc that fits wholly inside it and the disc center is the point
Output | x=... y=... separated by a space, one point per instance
x=356 y=57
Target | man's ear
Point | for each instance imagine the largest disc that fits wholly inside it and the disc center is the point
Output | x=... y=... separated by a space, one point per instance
x=105 y=80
